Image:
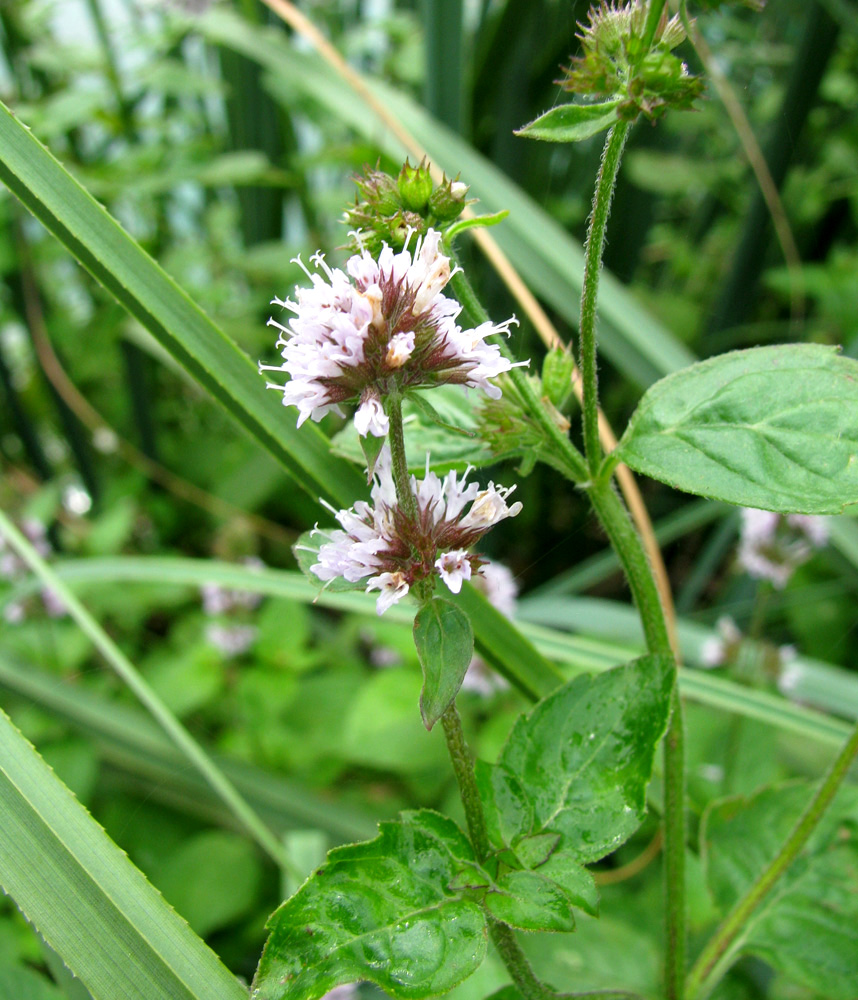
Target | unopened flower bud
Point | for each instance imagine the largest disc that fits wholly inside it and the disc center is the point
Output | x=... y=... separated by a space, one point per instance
x=415 y=186
x=448 y=200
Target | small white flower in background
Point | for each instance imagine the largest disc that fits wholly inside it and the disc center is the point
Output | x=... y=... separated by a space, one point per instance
x=772 y=546
x=498 y=584
x=716 y=651
x=231 y=640
x=384 y=326
x=13 y=568
x=381 y=542
x=348 y=991
x=229 y=634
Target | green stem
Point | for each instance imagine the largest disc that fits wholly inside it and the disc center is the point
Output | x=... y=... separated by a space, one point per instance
x=123 y=667
x=467 y=782
x=628 y=546
x=593 y=249
x=399 y=462
x=502 y=935
x=719 y=953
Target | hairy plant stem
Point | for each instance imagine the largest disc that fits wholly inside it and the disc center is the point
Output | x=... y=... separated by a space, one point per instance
x=628 y=546
x=719 y=954
x=503 y=936
x=399 y=463
x=612 y=154
x=460 y=758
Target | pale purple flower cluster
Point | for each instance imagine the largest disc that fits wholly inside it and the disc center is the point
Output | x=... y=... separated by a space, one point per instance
x=773 y=546
x=228 y=633
x=383 y=327
x=13 y=568
x=381 y=542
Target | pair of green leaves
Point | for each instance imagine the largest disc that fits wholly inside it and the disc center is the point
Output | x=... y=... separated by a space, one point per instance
x=409 y=910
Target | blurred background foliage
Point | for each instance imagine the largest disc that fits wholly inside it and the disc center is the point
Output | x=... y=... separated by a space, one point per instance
x=225 y=169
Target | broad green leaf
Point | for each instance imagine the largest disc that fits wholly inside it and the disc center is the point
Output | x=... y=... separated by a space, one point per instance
x=92 y=906
x=807 y=927
x=381 y=911
x=445 y=645
x=156 y=301
x=770 y=427
x=572 y=122
x=583 y=757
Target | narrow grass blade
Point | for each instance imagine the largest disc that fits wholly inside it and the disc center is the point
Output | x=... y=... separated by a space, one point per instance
x=129 y=740
x=92 y=906
x=611 y=636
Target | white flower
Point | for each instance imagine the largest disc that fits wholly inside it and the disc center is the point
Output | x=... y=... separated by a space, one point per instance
x=231 y=640
x=399 y=349
x=489 y=508
x=371 y=418
x=714 y=652
x=772 y=547
x=393 y=587
x=378 y=540
x=454 y=568
x=380 y=325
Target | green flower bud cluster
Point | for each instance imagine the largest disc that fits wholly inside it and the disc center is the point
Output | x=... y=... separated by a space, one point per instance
x=614 y=65
x=389 y=207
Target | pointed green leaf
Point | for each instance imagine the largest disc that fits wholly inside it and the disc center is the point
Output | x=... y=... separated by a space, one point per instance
x=371 y=447
x=770 y=427
x=808 y=926
x=535 y=851
x=445 y=645
x=584 y=755
x=530 y=902
x=572 y=122
x=382 y=911
x=563 y=869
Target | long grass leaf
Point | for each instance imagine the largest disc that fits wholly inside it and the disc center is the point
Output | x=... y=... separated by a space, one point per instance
x=611 y=636
x=93 y=907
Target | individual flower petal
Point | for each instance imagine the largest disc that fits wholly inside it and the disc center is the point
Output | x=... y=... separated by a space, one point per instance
x=393 y=587
x=371 y=418
x=400 y=347
x=489 y=508
x=454 y=568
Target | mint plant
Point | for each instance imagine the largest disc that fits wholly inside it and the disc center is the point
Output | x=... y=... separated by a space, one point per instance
x=401 y=337
x=773 y=428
